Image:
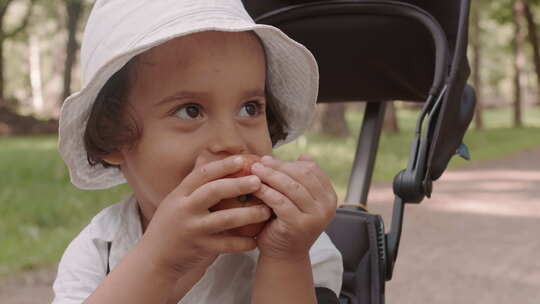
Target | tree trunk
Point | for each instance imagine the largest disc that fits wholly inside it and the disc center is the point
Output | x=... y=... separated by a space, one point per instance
x=519 y=59
x=2 y=96
x=533 y=40
x=74 y=11
x=390 y=123
x=476 y=64
x=2 y=40
x=333 y=121
x=35 y=75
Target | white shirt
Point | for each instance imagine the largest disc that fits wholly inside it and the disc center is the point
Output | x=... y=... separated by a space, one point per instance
x=228 y=280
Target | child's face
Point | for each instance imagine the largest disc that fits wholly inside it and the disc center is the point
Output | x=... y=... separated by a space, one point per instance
x=197 y=98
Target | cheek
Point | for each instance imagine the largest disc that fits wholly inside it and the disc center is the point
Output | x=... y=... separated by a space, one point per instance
x=259 y=140
x=158 y=164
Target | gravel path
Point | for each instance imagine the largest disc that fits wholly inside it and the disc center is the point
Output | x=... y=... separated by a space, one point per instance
x=475 y=241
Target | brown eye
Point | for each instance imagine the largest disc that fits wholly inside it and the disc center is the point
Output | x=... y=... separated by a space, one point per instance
x=192 y=111
x=189 y=111
x=251 y=109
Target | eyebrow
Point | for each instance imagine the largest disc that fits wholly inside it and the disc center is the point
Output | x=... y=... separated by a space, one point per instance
x=180 y=95
x=198 y=95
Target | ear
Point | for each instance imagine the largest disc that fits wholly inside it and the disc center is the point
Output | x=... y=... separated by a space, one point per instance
x=114 y=158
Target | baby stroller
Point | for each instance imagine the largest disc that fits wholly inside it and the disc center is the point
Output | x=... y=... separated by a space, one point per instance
x=377 y=51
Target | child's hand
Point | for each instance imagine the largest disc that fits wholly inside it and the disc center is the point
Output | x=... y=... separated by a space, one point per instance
x=183 y=235
x=304 y=201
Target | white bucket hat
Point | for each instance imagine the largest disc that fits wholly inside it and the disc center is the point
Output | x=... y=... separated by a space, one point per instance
x=118 y=30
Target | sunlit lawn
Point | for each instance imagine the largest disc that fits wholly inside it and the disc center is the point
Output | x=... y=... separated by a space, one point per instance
x=40 y=211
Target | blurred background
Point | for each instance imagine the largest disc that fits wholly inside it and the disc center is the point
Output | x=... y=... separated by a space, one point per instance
x=475 y=240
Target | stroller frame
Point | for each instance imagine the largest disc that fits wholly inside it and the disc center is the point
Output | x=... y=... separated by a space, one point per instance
x=432 y=69
x=366 y=153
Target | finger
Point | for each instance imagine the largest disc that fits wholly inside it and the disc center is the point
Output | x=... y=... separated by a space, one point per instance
x=226 y=243
x=306 y=160
x=302 y=172
x=222 y=220
x=208 y=173
x=211 y=193
x=307 y=172
x=306 y=157
x=288 y=186
x=282 y=206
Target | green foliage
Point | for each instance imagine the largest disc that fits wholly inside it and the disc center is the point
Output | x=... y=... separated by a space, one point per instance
x=501 y=11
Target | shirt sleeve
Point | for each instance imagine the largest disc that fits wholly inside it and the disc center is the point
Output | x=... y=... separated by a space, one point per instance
x=81 y=269
x=327 y=264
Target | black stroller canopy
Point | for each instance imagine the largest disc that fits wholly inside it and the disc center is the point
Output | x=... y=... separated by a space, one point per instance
x=383 y=55
x=377 y=51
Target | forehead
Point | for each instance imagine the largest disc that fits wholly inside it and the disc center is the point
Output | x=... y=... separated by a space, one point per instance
x=214 y=63
x=187 y=50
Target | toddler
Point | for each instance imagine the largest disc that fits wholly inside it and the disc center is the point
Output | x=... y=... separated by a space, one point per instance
x=173 y=92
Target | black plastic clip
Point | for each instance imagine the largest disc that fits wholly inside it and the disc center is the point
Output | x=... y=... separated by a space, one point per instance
x=414 y=183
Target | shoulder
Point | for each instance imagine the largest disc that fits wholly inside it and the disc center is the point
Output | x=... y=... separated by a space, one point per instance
x=112 y=219
x=83 y=264
x=327 y=264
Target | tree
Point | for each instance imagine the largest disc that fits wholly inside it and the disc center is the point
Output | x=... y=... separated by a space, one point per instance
x=10 y=33
x=519 y=58
x=390 y=123
x=533 y=40
x=477 y=62
x=333 y=121
x=74 y=12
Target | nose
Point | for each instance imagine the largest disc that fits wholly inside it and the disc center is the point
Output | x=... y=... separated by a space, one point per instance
x=227 y=139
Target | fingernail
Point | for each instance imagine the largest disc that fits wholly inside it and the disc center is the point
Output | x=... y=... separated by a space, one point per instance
x=267 y=158
x=257 y=166
x=254 y=180
x=238 y=160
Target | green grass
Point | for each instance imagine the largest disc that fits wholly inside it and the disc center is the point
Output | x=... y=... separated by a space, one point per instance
x=41 y=212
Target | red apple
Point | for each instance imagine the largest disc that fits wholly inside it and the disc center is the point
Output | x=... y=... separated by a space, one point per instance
x=244 y=200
